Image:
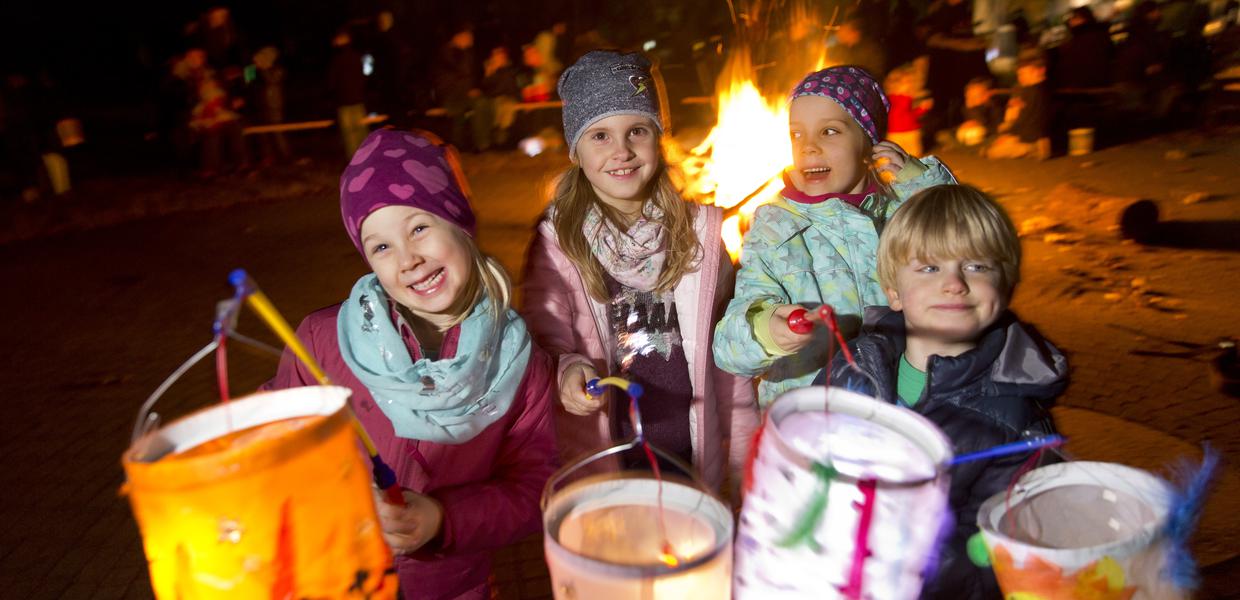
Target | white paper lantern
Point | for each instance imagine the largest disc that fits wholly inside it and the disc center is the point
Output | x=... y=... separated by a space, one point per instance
x=603 y=540
x=882 y=472
x=1077 y=527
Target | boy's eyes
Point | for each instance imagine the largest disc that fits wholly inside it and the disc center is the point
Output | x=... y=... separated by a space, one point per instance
x=599 y=136
x=828 y=131
x=638 y=131
x=970 y=266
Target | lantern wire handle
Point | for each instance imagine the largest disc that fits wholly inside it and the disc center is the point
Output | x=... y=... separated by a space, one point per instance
x=147 y=420
x=384 y=477
x=594 y=387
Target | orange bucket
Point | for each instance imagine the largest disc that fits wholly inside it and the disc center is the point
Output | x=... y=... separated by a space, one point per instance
x=265 y=496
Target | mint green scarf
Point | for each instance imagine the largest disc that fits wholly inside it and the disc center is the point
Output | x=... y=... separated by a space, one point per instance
x=447 y=401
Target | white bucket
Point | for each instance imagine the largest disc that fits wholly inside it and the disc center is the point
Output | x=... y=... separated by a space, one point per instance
x=603 y=541
x=1080 y=141
x=888 y=458
x=1080 y=525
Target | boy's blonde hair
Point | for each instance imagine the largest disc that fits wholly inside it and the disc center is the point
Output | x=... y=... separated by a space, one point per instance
x=573 y=198
x=949 y=221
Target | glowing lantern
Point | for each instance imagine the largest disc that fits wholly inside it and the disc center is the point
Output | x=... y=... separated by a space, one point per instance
x=604 y=540
x=261 y=497
x=848 y=498
x=1081 y=530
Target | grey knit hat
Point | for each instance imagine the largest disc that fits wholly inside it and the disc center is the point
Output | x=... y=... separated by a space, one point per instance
x=604 y=83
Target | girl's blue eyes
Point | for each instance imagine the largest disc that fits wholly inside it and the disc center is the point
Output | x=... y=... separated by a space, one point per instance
x=417 y=229
x=601 y=136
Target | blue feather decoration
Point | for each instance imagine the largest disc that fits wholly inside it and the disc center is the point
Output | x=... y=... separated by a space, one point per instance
x=1188 y=498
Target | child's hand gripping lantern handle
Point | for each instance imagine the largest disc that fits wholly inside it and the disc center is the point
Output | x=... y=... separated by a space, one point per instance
x=802 y=321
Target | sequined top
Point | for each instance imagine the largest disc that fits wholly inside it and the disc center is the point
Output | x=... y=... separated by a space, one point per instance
x=649 y=351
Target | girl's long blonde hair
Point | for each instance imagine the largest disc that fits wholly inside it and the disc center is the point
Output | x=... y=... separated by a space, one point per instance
x=573 y=198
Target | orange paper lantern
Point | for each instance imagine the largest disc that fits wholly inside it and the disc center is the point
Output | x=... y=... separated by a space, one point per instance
x=262 y=497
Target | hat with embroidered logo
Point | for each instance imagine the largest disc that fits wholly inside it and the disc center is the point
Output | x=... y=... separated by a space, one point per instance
x=854 y=89
x=602 y=84
x=403 y=168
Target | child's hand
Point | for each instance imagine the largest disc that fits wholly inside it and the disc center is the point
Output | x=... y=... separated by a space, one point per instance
x=888 y=159
x=787 y=339
x=573 y=391
x=407 y=528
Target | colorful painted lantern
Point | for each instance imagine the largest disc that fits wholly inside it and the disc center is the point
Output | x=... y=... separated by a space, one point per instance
x=261 y=497
x=608 y=536
x=1081 y=530
x=849 y=497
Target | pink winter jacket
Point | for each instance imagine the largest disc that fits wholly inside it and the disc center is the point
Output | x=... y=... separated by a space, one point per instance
x=572 y=327
x=489 y=486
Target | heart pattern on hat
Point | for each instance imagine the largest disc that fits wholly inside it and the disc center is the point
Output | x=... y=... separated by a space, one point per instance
x=431 y=178
x=399 y=168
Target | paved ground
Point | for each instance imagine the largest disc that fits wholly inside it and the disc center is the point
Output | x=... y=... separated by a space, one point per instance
x=98 y=318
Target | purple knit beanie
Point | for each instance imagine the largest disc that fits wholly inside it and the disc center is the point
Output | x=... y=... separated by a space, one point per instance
x=402 y=168
x=854 y=89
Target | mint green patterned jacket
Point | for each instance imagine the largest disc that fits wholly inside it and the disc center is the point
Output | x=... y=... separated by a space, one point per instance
x=807 y=254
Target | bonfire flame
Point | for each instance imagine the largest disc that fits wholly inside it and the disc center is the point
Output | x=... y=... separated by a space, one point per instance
x=739 y=165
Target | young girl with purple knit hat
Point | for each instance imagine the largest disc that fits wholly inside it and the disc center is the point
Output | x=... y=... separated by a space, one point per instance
x=445 y=377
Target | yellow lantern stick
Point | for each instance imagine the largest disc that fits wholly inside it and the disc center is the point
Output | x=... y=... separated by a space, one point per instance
x=384 y=477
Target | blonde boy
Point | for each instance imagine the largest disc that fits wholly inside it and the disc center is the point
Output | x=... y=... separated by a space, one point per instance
x=949 y=349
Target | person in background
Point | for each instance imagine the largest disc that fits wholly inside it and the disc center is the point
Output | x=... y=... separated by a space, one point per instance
x=983 y=113
x=347 y=85
x=267 y=103
x=218 y=126
x=540 y=80
x=1083 y=61
x=857 y=43
x=388 y=79
x=905 y=87
x=1026 y=125
x=956 y=56
x=1141 y=63
x=457 y=86
x=501 y=90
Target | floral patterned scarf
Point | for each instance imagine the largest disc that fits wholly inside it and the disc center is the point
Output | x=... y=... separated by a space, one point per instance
x=634 y=257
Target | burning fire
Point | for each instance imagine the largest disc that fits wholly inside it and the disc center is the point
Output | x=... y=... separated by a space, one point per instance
x=739 y=165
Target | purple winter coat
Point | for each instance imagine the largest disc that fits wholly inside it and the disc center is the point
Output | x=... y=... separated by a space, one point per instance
x=489 y=487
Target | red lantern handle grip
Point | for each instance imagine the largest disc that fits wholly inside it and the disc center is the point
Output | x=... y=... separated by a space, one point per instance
x=802 y=321
x=393 y=495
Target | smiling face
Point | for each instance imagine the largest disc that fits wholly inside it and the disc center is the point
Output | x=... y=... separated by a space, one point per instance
x=947 y=303
x=828 y=148
x=423 y=262
x=620 y=156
